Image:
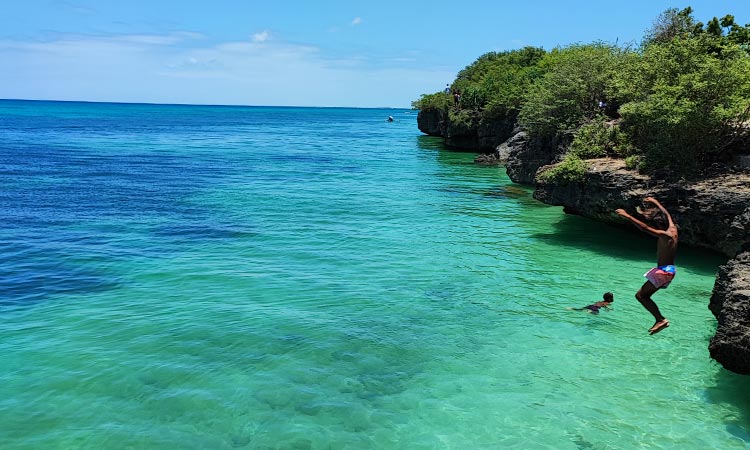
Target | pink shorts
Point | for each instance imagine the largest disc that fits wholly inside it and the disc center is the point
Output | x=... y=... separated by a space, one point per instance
x=660 y=277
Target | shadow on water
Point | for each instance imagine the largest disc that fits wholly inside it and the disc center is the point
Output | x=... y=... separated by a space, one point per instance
x=200 y=230
x=733 y=389
x=425 y=142
x=69 y=212
x=579 y=232
x=508 y=191
x=28 y=276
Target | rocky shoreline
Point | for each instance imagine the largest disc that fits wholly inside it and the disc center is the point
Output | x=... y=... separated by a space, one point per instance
x=712 y=213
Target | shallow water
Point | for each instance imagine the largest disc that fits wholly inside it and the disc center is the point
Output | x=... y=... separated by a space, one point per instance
x=180 y=277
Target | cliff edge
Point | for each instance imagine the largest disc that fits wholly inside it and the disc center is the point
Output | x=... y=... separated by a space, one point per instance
x=712 y=213
x=730 y=304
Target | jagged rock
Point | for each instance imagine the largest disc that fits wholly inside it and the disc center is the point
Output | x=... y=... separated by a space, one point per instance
x=498 y=157
x=528 y=154
x=432 y=122
x=490 y=159
x=476 y=134
x=730 y=304
x=712 y=213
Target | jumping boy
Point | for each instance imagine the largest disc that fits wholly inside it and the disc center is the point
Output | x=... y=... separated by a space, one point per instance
x=666 y=247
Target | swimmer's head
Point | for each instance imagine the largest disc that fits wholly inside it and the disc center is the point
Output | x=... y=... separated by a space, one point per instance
x=609 y=297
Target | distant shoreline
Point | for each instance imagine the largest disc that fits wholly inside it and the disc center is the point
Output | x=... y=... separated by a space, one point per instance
x=199 y=104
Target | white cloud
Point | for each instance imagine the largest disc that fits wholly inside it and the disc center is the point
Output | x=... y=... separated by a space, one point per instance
x=262 y=36
x=356 y=21
x=179 y=68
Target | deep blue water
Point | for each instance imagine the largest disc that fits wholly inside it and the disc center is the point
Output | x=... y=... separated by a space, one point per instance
x=253 y=277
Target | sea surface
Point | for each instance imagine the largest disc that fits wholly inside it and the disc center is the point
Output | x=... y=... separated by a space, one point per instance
x=206 y=277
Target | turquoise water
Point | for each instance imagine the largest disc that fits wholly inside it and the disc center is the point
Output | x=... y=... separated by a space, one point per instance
x=179 y=277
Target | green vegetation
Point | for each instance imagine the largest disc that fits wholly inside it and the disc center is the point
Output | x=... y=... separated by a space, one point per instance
x=598 y=138
x=675 y=104
x=571 y=169
x=576 y=79
x=438 y=100
x=493 y=85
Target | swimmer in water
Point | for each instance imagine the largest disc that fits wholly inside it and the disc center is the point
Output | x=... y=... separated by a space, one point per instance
x=594 y=308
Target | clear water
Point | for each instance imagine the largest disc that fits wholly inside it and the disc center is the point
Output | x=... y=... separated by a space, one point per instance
x=178 y=277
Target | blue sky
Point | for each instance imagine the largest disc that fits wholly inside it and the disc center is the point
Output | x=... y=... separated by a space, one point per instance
x=326 y=53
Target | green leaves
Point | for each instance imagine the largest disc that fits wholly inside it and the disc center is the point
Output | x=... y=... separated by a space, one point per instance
x=577 y=79
x=687 y=105
x=571 y=169
x=436 y=101
x=676 y=104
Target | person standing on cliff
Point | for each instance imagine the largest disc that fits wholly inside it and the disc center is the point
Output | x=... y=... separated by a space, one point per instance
x=666 y=248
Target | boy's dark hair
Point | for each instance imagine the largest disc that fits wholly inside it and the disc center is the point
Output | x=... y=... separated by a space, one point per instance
x=653 y=215
x=609 y=297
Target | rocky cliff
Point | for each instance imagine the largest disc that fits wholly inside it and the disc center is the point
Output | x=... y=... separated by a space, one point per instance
x=712 y=213
x=476 y=133
x=730 y=303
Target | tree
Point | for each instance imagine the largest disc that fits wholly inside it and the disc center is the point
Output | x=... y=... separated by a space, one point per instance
x=577 y=79
x=688 y=102
x=671 y=24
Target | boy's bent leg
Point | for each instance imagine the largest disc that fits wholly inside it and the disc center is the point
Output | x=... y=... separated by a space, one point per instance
x=644 y=297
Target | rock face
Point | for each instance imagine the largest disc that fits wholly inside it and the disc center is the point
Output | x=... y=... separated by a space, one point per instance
x=526 y=155
x=712 y=213
x=432 y=122
x=730 y=303
x=477 y=134
x=501 y=154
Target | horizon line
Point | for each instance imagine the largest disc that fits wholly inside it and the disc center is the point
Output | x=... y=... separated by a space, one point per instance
x=194 y=104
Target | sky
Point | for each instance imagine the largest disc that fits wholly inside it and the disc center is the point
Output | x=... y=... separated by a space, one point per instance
x=290 y=53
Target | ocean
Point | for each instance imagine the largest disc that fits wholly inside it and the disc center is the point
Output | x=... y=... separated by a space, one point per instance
x=209 y=277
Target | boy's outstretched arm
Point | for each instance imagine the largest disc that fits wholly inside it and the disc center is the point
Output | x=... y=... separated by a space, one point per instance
x=640 y=225
x=661 y=208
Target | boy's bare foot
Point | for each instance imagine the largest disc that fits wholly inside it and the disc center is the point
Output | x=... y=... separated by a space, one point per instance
x=658 y=326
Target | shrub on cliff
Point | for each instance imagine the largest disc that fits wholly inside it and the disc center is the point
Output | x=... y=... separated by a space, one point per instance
x=598 y=138
x=571 y=169
x=689 y=99
x=436 y=101
x=577 y=78
x=502 y=78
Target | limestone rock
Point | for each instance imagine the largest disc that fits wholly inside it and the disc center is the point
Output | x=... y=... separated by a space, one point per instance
x=730 y=304
x=432 y=122
x=500 y=155
x=528 y=154
x=712 y=213
x=476 y=134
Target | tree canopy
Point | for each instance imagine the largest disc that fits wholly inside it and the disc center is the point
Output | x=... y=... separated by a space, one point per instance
x=676 y=103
